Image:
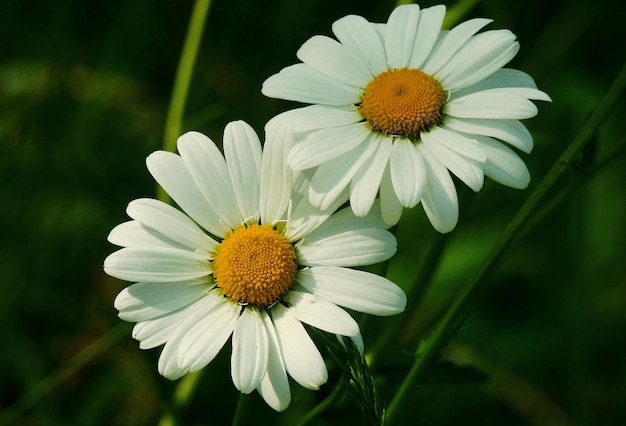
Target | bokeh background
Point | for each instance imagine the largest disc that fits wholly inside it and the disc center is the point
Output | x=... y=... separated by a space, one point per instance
x=84 y=90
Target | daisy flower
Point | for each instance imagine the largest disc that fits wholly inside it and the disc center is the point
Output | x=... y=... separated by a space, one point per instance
x=251 y=259
x=398 y=106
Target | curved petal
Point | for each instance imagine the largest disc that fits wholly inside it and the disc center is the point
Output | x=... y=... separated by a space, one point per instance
x=356 y=33
x=325 y=145
x=274 y=388
x=494 y=103
x=353 y=289
x=320 y=313
x=454 y=141
x=349 y=248
x=248 y=364
x=134 y=234
x=147 y=301
x=170 y=172
x=510 y=131
x=366 y=181
x=503 y=165
x=171 y=223
x=208 y=168
x=302 y=359
x=242 y=150
x=314 y=117
x=427 y=33
x=276 y=177
x=440 y=200
x=334 y=60
x=302 y=83
x=402 y=27
x=345 y=220
x=156 y=264
x=407 y=172
x=510 y=81
x=390 y=206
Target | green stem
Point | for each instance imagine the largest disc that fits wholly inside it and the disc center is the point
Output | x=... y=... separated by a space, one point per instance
x=181 y=398
x=173 y=121
x=241 y=410
x=324 y=405
x=429 y=348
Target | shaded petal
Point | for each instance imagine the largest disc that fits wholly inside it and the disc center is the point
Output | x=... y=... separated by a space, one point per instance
x=170 y=171
x=210 y=172
x=134 y=234
x=274 y=388
x=450 y=42
x=171 y=223
x=146 y=301
x=345 y=220
x=440 y=199
x=320 y=313
x=407 y=172
x=366 y=181
x=248 y=364
x=350 y=248
x=353 y=289
x=427 y=33
x=242 y=150
x=357 y=34
x=510 y=131
x=314 y=117
x=390 y=206
x=503 y=165
x=494 y=103
x=510 y=81
x=302 y=358
x=334 y=60
x=458 y=143
x=276 y=177
x=303 y=84
x=156 y=264
x=402 y=27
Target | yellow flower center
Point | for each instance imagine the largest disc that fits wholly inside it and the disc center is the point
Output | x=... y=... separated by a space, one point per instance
x=402 y=102
x=254 y=265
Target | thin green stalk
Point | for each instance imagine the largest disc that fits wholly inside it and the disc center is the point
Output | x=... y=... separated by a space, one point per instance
x=173 y=121
x=242 y=410
x=429 y=348
x=48 y=384
x=181 y=397
x=324 y=405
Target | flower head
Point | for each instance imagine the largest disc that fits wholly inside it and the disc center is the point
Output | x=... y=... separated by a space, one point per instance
x=398 y=106
x=251 y=259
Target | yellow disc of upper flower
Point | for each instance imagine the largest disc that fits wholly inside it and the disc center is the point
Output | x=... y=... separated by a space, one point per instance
x=402 y=102
x=254 y=265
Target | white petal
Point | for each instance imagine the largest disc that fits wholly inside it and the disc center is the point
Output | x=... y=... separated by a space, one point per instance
x=356 y=33
x=276 y=177
x=503 y=165
x=170 y=172
x=494 y=103
x=345 y=220
x=302 y=83
x=407 y=172
x=171 y=223
x=510 y=81
x=402 y=27
x=427 y=33
x=302 y=359
x=390 y=206
x=353 y=289
x=510 y=131
x=134 y=234
x=366 y=181
x=242 y=150
x=478 y=58
x=326 y=144
x=249 y=359
x=451 y=42
x=274 y=388
x=314 y=117
x=320 y=313
x=156 y=264
x=334 y=60
x=207 y=336
x=332 y=177
x=349 y=248
x=455 y=141
x=440 y=199
x=146 y=301
x=208 y=169
x=466 y=169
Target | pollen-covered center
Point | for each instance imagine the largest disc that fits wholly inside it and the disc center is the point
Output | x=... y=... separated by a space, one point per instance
x=254 y=265
x=402 y=102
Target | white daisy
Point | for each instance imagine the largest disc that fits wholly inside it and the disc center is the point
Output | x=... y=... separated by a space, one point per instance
x=398 y=106
x=253 y=260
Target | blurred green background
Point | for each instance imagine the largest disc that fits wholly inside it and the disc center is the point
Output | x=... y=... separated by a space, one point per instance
x=84 y=90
